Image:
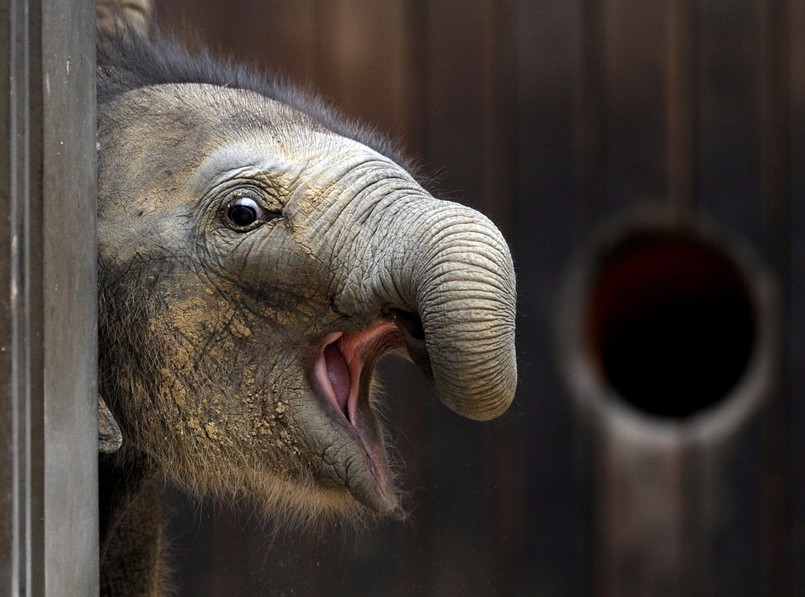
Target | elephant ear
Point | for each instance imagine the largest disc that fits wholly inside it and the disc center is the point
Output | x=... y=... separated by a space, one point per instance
x=110 y=439
x=115 y=16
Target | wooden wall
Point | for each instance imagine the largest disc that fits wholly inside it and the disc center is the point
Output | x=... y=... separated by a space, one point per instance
x=551 y=117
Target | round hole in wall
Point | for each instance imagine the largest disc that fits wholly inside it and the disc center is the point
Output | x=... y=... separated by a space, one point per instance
x=670 y=322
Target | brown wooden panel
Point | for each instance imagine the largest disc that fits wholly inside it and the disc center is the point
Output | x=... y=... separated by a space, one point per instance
x=276 y=35
x=683 y=121
x=729 y=116
x=636 y=88
x=468 y=80
x=363 y=62
x=591 y=112
x=547 y=223
x=775 y=146
x=795 y=347
x=548 y=116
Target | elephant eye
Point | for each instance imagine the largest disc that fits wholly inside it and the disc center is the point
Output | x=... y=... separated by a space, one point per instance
x=245 y=212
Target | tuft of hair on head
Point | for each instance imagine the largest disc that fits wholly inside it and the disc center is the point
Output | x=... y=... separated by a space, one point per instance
x=127 y=59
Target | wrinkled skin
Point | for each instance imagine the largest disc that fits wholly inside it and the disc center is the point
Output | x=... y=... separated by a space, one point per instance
x=254 y=267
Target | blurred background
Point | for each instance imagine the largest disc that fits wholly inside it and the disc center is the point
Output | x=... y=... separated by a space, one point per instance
x=633 y=153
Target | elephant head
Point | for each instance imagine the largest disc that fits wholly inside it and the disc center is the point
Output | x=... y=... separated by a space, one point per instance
x=257 y=257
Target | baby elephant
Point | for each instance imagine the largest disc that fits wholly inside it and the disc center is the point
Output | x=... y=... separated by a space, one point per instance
x=258 y=256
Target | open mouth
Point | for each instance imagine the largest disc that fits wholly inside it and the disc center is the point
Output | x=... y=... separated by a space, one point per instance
x=343 y=373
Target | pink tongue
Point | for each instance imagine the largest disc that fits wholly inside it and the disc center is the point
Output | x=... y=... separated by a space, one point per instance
x=338 y=373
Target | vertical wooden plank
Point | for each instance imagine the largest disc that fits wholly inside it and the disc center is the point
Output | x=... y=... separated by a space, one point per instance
x=729 y=191
x=795 y=346
x=729 y=123
x=274 y=35
x=775 y=145
x=468 y=94
x=67 y=224
x=361 y=60
x=497 y=87
x=728 y=505
x=591 y=121
x=727 y=469
x=682 y=105
x=642 y=511
x=554 y=524
x=637 y=41
x=22 y=567
x=592 y=183
x=9 y=534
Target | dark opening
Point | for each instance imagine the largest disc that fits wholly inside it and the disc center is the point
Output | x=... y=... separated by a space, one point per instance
x=671 y=322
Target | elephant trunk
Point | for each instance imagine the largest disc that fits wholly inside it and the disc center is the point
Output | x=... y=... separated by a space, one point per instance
x=464 y=292
x=449 y=267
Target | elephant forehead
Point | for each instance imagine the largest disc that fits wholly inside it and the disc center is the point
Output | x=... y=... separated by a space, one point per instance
x=213 y=103
x=213 y=133
x=185 y=123
x=307 y=158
